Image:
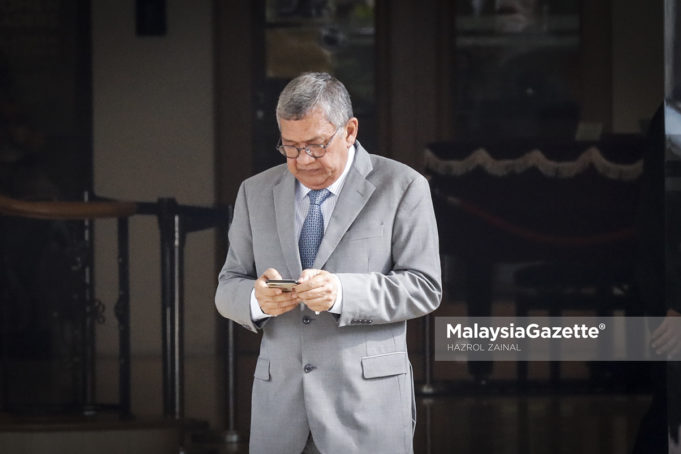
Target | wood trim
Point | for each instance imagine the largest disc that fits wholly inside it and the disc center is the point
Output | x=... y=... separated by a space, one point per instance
x=65 y=210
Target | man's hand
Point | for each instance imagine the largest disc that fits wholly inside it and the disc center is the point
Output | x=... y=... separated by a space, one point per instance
x=317 y=289
x=666 y=339
x=273 y=301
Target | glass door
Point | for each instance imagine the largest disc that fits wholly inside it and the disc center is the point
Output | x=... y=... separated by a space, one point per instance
x=295 y=36
x=672 y=156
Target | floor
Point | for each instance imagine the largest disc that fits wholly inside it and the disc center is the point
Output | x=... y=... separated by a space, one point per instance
x=495 y=418
x=510 y=424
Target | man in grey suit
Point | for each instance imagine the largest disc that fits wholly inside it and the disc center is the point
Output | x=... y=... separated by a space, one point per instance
x=358 y=232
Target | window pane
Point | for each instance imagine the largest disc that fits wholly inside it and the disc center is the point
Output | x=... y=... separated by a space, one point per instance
x=515 y=65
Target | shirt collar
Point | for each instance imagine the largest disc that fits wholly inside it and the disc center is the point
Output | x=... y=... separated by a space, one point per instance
x=336 y=186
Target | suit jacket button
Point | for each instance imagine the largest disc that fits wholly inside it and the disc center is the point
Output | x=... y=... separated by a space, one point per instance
x=307 y=320
x=308 y=368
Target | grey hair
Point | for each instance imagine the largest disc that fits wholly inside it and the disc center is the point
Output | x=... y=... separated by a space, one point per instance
x=315 y=90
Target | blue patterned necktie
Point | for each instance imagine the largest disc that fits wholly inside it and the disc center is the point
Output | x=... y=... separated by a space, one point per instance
x=313 y=228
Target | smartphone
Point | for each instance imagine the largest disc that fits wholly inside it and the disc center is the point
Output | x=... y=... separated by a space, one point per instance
x=284 y=284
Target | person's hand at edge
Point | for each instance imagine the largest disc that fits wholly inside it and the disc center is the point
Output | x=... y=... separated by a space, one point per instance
x=666 y=339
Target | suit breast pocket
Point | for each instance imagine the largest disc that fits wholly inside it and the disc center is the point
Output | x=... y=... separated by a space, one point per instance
x=365 y=232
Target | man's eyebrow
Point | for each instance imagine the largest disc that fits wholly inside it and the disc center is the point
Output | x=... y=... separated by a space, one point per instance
x=313 y=140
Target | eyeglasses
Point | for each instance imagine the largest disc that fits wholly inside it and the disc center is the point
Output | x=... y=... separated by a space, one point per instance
x=314 y=150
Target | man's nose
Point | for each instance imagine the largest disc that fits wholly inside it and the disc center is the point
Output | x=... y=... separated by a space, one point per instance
x=304 y=158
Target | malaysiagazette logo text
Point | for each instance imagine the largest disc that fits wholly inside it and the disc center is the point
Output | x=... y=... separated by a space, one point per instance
x=531 y=331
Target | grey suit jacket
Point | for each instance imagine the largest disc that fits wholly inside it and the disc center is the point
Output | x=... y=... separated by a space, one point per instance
x=346 y=379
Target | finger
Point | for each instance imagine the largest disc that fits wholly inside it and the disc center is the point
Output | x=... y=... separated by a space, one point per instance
x=668 y=327
x=324 y=293
x=655 y=335
x=316 y=303
x=291 y=303
x=271 y=273
x=308 y=274
x=314 y=293
x=319 y=285
x=661 y=335
x=273 y=306
x=279 y=308
x=320 y=280
x=305 y=289
x=265 y=294
x=263 y=289
x=319 y=304
x=270 y=300
x=281 y=297
x=664 y=343
x=676 y=352
x=286 y=297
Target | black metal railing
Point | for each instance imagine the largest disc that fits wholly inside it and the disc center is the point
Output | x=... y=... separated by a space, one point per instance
x=175 y=221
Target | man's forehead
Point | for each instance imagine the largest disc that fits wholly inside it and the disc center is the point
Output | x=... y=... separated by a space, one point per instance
x=307 y=128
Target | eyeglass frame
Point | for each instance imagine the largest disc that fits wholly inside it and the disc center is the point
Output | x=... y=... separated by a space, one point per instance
x=306 y=148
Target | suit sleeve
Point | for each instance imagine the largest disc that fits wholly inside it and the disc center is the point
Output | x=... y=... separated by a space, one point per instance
x=235 y=281
x=413 y=287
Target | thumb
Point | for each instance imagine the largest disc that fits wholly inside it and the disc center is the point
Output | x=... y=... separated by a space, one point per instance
x=271 y=273
x=307 y=274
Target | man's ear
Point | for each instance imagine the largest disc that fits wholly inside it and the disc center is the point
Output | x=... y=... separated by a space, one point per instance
x=351 y=129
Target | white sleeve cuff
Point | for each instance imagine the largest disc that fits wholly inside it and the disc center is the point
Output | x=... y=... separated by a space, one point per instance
x=256 y=313
x=338 y=305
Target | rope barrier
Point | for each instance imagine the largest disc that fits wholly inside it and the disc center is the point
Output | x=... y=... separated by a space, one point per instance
x=539 y=237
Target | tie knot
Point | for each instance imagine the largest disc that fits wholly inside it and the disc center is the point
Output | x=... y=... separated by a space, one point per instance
x=317 y=196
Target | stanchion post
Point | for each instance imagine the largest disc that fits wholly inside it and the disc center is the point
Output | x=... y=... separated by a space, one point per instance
x=89 y=316
x=231 y=436
x=178 y=317
x=427 y=386
x=172 y=310
x=122 y=310
x=167 y=208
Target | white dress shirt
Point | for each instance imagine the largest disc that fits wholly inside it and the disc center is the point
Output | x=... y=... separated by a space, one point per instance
x=302 y=205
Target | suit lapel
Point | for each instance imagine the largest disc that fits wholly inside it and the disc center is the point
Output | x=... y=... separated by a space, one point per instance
x=284 y=193
x=355 y=193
